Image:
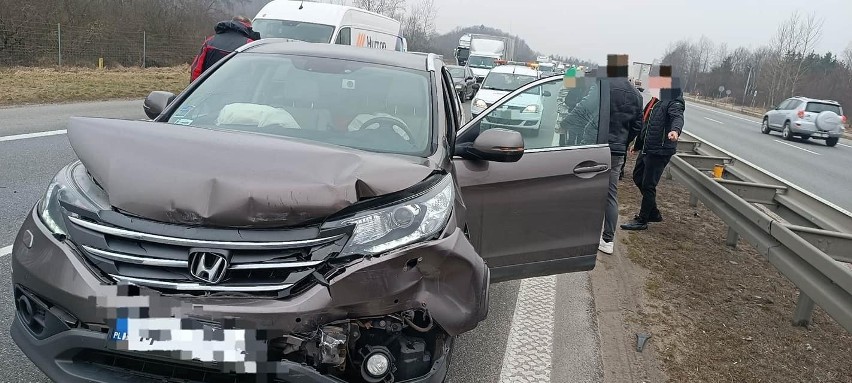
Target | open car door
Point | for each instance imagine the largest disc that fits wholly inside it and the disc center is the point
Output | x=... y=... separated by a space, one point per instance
x=542 y=214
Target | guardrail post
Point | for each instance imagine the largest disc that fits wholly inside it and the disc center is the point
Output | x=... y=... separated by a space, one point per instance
x=668 y=173
x=733 y=237
x=693 y=200
x=804 y=310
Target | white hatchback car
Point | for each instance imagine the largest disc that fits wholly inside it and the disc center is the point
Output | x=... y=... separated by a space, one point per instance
x=523 y=114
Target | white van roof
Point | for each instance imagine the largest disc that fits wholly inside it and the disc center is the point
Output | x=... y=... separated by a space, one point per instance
x=323 y=13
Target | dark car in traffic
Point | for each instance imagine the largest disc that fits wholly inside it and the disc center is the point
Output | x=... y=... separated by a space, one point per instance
x=465 y=81
x=300 y=213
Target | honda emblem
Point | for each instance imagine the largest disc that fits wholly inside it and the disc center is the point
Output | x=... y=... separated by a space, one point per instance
x=208 y=266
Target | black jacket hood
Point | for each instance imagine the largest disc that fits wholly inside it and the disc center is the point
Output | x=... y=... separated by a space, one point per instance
x=234 y=26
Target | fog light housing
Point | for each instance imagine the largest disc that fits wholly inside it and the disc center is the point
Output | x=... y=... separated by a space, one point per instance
x=377 y=364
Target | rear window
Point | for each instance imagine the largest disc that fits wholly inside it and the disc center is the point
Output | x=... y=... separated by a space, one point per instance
x=296 y=30
x=817 y=107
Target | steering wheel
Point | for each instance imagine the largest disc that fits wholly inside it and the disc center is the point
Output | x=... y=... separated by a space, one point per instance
x=389 y=123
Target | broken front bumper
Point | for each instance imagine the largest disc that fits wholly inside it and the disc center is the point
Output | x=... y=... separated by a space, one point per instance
x=444 y=277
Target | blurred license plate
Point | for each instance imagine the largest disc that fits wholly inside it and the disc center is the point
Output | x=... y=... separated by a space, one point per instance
x=507 y=114
x=201 y=342
x=822 y=135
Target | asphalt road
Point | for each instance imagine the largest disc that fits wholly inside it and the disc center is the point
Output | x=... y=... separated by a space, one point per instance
x=553 y=331
x=811 y=165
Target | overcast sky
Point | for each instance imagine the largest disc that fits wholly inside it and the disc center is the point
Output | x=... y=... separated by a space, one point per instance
x=642 y=28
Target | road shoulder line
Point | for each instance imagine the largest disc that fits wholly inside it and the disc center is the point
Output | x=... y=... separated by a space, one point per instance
x=528 y=351
x=32 y=135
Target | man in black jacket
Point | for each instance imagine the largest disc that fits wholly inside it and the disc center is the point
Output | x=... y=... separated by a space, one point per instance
x=625 y=123
x=656 y=144
x=229 y=36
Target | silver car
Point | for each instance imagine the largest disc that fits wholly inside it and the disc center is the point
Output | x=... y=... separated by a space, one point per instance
x=806 y=118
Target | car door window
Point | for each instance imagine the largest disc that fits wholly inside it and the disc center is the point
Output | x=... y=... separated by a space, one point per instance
x=784 y=105
x=344 y=37
x=793 y=104
x=554 y=114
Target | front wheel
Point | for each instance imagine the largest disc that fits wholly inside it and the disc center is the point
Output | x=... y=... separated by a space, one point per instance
x=831 y=141
x=764 y=128
x=787 y=134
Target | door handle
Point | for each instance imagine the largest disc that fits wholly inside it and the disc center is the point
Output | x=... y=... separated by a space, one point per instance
x=597 y=168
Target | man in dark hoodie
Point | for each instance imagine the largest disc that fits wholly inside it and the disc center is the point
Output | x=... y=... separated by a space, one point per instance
x=657 y=143
x=229 y=36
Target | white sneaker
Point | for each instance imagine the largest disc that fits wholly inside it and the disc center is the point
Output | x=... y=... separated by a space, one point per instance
x=606 y=247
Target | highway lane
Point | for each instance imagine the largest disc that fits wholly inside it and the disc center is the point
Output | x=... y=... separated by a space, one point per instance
x=811 y=165
x=28 y=165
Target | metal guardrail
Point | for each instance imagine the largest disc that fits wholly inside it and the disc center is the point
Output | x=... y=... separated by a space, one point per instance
x=808 y=239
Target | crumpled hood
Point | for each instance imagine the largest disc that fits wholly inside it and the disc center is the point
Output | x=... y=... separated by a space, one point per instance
x=196 y=176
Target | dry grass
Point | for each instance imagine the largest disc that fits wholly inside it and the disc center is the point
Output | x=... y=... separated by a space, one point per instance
x=720 y=314
x=51 y=85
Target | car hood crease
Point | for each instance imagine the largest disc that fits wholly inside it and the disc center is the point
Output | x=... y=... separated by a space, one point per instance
x=187 y=175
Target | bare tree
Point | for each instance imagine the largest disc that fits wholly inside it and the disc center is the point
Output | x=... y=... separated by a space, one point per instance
x=419 y=25
x=390 y=8
x=807 y=35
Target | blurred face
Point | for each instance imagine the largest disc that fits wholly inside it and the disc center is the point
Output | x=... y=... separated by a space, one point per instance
x=655 y=83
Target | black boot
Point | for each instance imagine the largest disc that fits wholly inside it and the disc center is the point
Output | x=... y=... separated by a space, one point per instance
x=655 y=218
x=635 y=224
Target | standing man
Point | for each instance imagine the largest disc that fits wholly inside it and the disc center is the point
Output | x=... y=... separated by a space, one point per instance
x=625 y=123
x=229 y=36
x=657 y=143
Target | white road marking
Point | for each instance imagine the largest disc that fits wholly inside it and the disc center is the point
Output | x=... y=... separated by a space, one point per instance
x=32 y=135
x=716 y=121
x=794 y=146
x=845 y=145
x=4 y=251
x=693 y=105
x=530 y=345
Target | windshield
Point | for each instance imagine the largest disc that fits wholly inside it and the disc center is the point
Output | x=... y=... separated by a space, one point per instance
x=482 y=62
x=297 y=30
x=457 y=72
x=508 y=82
x=818 y=107
x=359 y=105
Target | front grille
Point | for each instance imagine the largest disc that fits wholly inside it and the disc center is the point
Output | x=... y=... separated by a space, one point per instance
x=163 y=370
x=271 y=263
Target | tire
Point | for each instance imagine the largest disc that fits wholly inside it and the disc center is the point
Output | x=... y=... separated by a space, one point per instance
x=764 y=128
x=787 y=134
x=831 y=141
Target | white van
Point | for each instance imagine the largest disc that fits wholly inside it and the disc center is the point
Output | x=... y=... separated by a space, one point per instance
x=328 y=23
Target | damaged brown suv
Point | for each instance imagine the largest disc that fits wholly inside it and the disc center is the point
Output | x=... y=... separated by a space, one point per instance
x=300 y=213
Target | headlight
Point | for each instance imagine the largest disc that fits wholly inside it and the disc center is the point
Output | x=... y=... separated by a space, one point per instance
x=68 y=186
x=49 y=210
x=479 y=104
x=531 y=109
x=394 y=226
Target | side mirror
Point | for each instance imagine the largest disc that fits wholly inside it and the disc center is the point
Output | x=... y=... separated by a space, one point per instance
x=546 y=93
x=468 y=78
x=156 y=102
x=498 y=145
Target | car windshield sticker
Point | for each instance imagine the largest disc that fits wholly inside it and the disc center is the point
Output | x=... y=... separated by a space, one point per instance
x=183 y=111
x=183 y=121
x=348 y=84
